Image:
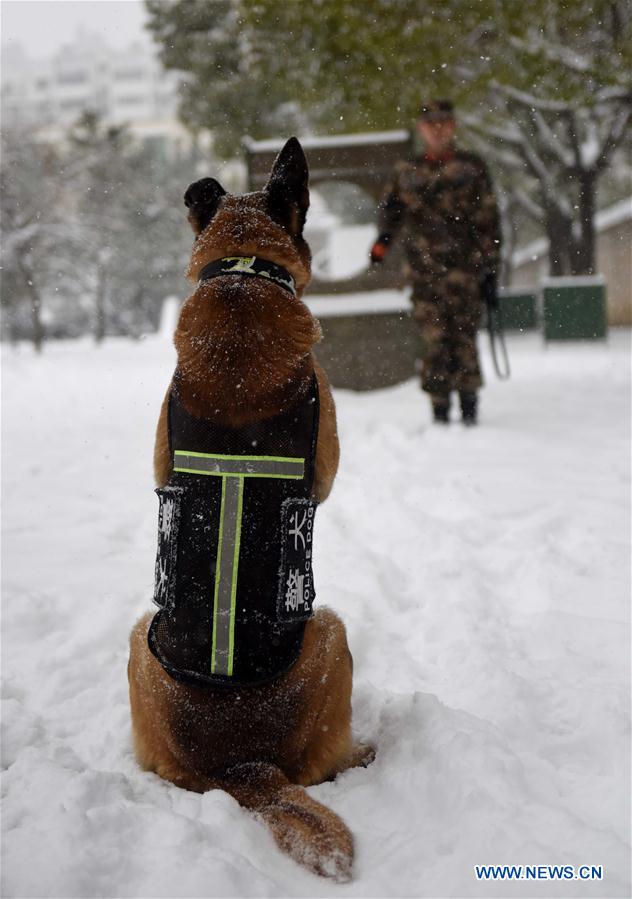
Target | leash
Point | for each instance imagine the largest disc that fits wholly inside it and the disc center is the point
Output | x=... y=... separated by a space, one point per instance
x=495 y=325
x=495 y=329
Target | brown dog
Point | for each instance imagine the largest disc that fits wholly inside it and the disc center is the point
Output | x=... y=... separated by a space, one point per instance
x=245 y=366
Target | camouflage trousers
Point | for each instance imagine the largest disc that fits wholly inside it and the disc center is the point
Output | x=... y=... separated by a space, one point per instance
x=448 y=311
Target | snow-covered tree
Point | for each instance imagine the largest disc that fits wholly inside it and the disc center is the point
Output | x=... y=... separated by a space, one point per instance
x=129 y=208
x=34 y=229
x=557 y=108
x=94 y=233
x=543 y=87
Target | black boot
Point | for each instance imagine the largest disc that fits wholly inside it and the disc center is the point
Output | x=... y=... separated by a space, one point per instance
x=441 y=408
x=469 y=405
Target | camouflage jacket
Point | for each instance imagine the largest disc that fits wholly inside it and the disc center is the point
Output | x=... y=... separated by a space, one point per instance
x=445 y=214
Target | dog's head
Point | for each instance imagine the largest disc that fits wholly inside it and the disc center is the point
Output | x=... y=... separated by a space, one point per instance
x=267 y=223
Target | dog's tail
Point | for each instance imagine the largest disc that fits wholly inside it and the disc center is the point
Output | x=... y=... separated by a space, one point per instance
x=311 y=833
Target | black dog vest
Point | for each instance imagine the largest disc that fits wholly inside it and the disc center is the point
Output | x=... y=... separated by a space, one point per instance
x=234 y=565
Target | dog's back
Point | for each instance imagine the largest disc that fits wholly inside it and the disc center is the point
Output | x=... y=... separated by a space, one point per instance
x=244 y=343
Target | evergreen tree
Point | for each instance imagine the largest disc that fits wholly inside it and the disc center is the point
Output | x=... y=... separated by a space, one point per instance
x=225 y=90
x=544 y=86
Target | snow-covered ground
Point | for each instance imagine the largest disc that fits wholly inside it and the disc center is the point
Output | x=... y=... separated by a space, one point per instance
x=484 y=579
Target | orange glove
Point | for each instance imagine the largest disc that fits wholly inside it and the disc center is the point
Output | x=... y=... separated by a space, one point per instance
x=378 y=252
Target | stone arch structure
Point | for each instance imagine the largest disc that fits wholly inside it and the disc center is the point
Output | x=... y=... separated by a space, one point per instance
x=365 y=160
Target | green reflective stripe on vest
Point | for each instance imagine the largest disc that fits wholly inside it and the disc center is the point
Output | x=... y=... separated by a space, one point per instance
x=226 y=576
x=238 y=466
x=233 y=471
x=233 y=594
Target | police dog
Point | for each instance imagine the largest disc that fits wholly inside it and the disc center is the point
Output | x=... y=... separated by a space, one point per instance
x=244 y=367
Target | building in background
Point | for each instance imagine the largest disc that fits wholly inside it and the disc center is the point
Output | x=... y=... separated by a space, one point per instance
x=614 y=258
x=125 y=87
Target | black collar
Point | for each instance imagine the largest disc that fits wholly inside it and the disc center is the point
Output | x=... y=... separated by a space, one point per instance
x=249 y=265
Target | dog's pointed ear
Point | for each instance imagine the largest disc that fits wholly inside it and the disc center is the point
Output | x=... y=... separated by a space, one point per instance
x=202 y=199
x=287 y=188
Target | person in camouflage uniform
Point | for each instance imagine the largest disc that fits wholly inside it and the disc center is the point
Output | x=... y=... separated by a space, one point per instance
x=442 y=207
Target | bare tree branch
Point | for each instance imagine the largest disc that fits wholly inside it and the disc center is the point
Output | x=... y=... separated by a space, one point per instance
x=617 y=132
x=529 y=100
x=573 y=137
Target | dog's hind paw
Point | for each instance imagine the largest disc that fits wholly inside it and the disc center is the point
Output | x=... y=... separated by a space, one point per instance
x=362 y=756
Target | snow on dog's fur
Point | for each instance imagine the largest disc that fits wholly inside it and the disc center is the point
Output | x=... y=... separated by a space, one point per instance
x=244 y=350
